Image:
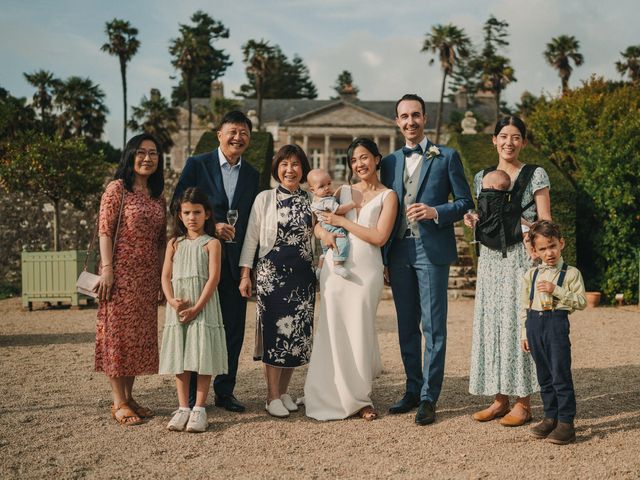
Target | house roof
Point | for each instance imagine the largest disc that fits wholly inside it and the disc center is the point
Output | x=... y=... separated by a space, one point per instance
x=283 y=110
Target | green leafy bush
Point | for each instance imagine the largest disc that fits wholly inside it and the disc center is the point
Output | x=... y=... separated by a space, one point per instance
x=477 y=152
x=593 y=134
x=259 y=154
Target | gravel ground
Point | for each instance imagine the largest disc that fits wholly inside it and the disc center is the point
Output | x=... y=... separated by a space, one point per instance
x=55 y=423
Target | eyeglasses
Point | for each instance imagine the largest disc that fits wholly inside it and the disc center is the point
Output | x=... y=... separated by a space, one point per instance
x=142 y=154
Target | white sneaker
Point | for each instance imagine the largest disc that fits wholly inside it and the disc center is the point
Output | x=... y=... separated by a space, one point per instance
x=197 y=421
x=288 y=402
x=277 y=409
x=340 y=270
x=179 y=420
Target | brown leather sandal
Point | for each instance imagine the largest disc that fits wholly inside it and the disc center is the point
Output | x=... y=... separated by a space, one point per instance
x=124 y=415
x=143 y=412
x=368 y=413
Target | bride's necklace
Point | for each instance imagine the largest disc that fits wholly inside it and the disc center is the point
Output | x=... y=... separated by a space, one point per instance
x=372 y=193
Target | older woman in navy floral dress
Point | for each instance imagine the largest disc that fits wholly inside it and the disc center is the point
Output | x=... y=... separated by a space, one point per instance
x=281 y=227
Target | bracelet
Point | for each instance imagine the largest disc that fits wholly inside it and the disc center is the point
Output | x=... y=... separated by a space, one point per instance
x=242 y=278
x=106 y=265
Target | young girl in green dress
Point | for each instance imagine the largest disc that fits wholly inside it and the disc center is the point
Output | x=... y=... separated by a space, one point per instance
x=193 y=339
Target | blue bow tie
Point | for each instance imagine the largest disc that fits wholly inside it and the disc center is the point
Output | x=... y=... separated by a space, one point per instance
x=410 y=151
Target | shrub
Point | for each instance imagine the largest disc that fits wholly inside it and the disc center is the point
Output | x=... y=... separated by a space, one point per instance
x=259 y=153
x=593 y=134
x=477 y=152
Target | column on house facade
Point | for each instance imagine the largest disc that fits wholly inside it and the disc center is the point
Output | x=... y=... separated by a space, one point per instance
x=289 y=139
x=392 y=142
x=305 y=144
x=324 y=163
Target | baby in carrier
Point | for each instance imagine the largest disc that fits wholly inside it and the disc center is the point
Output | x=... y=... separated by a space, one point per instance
x=500 y=208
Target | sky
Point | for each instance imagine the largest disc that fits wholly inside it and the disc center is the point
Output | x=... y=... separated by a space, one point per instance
x=378 y=41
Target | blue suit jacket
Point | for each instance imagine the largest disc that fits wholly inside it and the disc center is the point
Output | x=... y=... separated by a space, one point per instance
x=204 y=171
x=440 y=176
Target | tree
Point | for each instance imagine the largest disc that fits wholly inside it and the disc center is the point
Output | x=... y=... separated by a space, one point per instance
x=495 y=70
x=45 y=83
x=630 y=64
x=187 y=57
x=154 y=115
x=124 y=45
x=217 y=108
x=285 y=79
x=559 y=53
x=593 y=135
x=15 y=116
x=258 y=58
x=82 y=109
x=450 y=43
x=344 y=84
x=60 y=169
x=213 y=62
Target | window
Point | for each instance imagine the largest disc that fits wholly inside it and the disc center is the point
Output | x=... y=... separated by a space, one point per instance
x=316 y=156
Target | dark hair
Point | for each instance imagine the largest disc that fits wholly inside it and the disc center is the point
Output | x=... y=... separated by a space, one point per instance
x=236 y=117
x=126 y=171
x=288 y=151
x=412 y=97
x=197 y=196
x=511 y=120
x=366 y=143
x=544 y=228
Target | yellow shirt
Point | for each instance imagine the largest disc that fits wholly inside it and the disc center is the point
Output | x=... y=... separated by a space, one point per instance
x=570 y=296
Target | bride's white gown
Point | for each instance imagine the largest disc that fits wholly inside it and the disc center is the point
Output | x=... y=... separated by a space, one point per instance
x=345 y=357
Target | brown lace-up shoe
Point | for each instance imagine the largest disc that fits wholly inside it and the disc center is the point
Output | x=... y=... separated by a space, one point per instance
x=564 y=433
x=544 y=428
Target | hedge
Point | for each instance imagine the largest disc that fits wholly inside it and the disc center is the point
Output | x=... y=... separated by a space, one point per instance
x=477 y=152
x=259 y=153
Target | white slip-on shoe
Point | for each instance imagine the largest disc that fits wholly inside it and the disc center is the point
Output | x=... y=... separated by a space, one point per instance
x=197 y=421
x=288 y=402
x=277 y=409
x=179 y=420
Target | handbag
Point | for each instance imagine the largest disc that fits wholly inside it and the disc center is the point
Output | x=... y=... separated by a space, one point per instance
x=87 y=281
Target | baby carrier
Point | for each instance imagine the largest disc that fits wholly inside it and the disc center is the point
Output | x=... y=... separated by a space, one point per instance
x=500 y=211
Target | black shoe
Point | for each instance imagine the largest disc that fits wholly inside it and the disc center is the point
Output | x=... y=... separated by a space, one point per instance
x=229 y=402
x=406 y=404
x=544 y=428
x=563 y=433
x=426 y=413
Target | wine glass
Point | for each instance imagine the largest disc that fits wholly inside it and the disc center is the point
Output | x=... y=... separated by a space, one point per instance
x=474 y=213
x=412 y=224
x=232 y=218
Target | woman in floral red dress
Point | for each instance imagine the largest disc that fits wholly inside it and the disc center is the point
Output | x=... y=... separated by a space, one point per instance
x=129 y=288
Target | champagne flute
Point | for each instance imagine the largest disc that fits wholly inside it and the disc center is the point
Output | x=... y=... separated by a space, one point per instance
x=474 y=213
x=412 y=224
x=232 y=218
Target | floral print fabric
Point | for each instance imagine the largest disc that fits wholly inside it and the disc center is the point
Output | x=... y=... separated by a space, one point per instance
x=285 y=285
x=127 y=326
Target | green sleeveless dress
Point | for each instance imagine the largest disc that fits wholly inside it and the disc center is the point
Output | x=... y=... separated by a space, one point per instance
x=198 y=346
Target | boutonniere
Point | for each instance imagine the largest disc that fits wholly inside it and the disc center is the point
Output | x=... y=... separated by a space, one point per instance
x=432 y=152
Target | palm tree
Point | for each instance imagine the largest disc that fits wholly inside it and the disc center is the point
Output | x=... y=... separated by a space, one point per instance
x=498 y=74
x=187 y=58
x=631 y=65
x=559 y=53
x=154 y=115
x=257 y=56
x=450 y=43
x=124 y=45
x=45 y=83
x=83 y=112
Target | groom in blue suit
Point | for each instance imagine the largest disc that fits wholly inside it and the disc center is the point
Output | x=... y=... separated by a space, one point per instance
x=421 y=248
x=231 y=184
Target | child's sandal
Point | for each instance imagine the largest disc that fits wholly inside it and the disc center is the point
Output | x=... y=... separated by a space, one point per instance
x=368 y=413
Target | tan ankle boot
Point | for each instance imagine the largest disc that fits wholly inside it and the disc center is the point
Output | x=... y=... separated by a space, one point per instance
x=490 y=413
x=518 y=416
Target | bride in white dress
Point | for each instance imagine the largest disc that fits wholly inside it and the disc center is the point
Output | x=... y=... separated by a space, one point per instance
x=345 y=357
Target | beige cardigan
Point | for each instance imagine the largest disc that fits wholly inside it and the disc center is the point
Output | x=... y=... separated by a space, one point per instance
x=262 y=228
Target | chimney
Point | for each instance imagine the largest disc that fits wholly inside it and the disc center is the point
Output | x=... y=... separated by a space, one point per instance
x=348 y=93
x=217 y=90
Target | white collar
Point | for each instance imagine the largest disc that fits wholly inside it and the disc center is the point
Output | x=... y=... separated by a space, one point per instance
x=224 y=160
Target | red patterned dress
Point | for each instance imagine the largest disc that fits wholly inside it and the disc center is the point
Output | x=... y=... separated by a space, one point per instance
x=127 y=327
